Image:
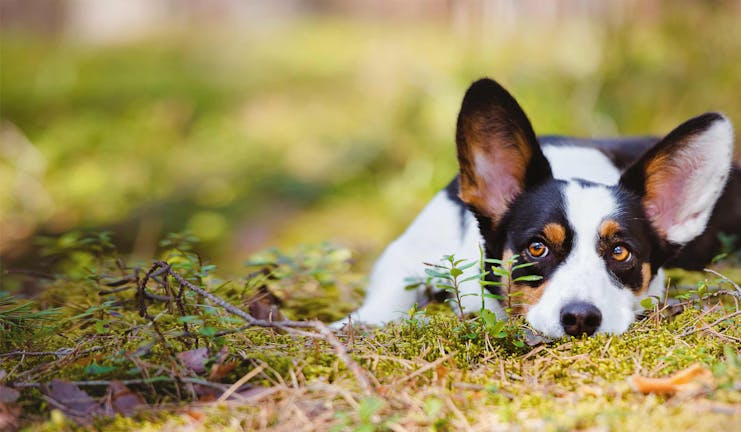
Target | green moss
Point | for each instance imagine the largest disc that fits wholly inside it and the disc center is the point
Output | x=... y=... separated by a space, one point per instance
x=477 y=375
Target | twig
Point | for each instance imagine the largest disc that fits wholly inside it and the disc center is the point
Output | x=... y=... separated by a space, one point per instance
x=286 y=325
x=100 y=383
x=226 y=305
x=189 y=334
x=713 y=324
x=234 y=387
x=30 y=273
x=59 y=353
x=725 y=278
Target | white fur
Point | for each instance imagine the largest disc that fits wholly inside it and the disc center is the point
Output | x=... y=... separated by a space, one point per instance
x=708 y=159
x=583 y=276
x=581 y=162
x=437 y=231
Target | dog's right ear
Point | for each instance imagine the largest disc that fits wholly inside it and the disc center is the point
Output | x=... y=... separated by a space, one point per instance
x=498 y=153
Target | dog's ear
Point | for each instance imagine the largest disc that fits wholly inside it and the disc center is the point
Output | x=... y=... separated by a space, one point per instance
x=680 y=179
x=498 y=153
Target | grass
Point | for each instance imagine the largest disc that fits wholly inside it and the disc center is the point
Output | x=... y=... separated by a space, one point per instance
x=429 y=372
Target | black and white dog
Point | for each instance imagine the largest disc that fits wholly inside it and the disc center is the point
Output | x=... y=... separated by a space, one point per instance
x=598 y=218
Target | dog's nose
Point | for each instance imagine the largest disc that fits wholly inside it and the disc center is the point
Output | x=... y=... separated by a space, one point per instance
x=578 y=318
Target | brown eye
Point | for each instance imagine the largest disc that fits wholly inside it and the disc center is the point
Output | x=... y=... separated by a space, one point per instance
x=537 y=249
x=620 y=253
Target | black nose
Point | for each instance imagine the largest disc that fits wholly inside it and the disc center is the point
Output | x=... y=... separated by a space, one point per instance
x=578 y=318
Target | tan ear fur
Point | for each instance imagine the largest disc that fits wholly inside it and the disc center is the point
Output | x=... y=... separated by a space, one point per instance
x=498 y=153
x=681 y=178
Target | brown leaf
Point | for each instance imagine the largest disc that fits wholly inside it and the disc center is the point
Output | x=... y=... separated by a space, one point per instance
x=222 y=355
x=72 y=401
x=534 y=339
x=8 y=394
x=257 y=393
x=194 y=360
x=9 y=417
x=687 y=381
x=197 y=416
x=206 y=393
x=219 y=371
x=265 y=305
x=123 y=400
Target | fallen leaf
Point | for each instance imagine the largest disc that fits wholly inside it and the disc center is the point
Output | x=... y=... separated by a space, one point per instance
x=256 y=393
x=73 y=402
x=194 y=360
x=687 y=381
x=265 y=305
x=534 y=339
x=219 y=371
x=222 y=355
x=195 y=415
x=8 y=394
x=221 y=367
x=9 y=416
x=123 y=400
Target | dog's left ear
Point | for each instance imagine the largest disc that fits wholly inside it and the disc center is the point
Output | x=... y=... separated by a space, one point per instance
x=680 y=179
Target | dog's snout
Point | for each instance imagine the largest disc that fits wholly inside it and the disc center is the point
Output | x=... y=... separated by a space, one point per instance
x=578 y=318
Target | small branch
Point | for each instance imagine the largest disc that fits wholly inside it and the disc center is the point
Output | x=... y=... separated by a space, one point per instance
x=732 y=283
x=711 y=325
x=103 y=383
x=322 y=331
x=30 y=273
x=59 y=353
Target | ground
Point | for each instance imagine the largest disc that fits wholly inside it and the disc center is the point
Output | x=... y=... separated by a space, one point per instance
x=111 y=350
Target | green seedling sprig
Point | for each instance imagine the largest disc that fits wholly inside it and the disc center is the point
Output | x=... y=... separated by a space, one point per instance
x=449 y=277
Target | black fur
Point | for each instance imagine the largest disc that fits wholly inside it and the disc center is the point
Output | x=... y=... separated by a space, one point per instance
x=697 y=254
x=529 y=214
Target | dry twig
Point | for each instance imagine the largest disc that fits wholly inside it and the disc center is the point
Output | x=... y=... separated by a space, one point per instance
x=321 y=331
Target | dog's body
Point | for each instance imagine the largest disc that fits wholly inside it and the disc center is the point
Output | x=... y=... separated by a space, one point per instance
x=597 y=218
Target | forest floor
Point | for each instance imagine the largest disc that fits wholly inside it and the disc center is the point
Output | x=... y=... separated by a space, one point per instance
x=171 y=346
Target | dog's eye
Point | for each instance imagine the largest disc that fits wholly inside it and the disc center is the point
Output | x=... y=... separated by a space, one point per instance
x=537 y=249
x=621 y=253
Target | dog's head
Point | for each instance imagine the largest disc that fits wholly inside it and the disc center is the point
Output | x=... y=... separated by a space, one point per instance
x=596 y=246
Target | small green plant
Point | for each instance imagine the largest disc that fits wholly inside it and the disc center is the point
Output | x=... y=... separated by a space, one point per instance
x=448 y=276
x=78 y=254
x=503 y=270
x=366 y=418
x=414 y=315
x=450 y=273
x=321 y=271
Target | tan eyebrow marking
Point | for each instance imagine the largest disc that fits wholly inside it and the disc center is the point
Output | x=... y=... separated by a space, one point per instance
x=609 y=228
x=555 y=233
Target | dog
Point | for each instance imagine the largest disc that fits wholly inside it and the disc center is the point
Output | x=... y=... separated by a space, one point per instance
x=597 y=218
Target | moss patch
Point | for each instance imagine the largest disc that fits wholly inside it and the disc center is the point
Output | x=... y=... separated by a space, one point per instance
x=178 y=352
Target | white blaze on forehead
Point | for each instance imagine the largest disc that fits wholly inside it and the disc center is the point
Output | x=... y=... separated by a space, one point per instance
x=586 y=208
x=569 y=162
x=583 y=275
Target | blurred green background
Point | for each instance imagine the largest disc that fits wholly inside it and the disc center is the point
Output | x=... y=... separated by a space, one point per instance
x=264 y=123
